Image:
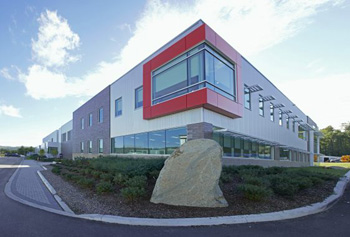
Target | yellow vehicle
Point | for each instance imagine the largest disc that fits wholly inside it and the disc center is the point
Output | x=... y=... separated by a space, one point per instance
x=345 y=158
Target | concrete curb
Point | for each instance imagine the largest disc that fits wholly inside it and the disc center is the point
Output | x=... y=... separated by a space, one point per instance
x=63 y=205
x=204 y=221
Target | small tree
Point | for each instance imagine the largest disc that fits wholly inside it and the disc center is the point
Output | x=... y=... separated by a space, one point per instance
x=41 y=152
x=54 y=152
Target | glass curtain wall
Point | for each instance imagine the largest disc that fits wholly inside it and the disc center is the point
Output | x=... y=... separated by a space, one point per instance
x=198 y=68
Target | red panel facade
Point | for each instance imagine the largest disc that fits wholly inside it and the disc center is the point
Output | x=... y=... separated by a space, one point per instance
x=201 y=98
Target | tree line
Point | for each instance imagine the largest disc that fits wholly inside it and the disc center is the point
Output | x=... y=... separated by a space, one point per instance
x=336 y=142
x=21 y=150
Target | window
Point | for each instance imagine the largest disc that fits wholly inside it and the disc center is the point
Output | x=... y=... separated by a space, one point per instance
x=272 y=112
x=157 y=142
x=69 y=135
x=280 y=118
x=100 y=115
x=293 y=124
x=138 y=97
x=129 y=144
x=198 y=68
x=82 y=123
x=82 y=147
x=246 y=98
x=287 y=122
x=141 y=143
x=118 y=145
x=118 y=107
x=90 y=146
x=175 y=138
x=90 y=120
x=64 y=137
x=261 y=107
x=100 y=145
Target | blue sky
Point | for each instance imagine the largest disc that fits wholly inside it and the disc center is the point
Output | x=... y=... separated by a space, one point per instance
x=55 y=55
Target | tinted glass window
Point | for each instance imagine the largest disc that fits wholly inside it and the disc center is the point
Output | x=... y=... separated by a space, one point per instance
x=90 y=120
x=100 y=145
x=138 y=97
x=118 y=145
x=175 y=138
x=118 y=107
x=129 y=144
x=157 y=142
x=261 y=107
x=141 y=143
x=100 y=115
x=246 y=98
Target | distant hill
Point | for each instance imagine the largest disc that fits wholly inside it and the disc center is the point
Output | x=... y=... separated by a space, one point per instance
x=9 y=147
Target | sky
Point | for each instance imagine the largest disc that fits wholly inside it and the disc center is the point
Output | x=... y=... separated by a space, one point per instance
x=56 y=55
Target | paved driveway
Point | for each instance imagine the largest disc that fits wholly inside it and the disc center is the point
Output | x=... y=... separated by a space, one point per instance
x=17 y=219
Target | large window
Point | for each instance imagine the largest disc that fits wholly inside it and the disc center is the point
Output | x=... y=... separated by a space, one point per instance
x=287 y=122
x=118 y=107
x=90 y=120
x=175 y=138
x=100 y=115
x=138 y=97
x=272 y=112
x=100 y=145
x=200 y=67
x=82 y=147
x=156 y=142
x=261 y=107
x=247 y=98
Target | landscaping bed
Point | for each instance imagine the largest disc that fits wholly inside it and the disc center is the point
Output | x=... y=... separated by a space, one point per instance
x=123 y=187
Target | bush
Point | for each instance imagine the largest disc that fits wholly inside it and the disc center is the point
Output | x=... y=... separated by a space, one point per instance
x=86 y=183
x=133 y=193
x=253 y=192
x=107 y=177
x=253 y=180
x=96 y=174
x=120 y=179
x=153 y=174
x=226 y=177
x=284 y=186
x=136 y=181
x=274 y=170
x=252 y=170
x=230 y=169
x=56 y=170
x=104 y=187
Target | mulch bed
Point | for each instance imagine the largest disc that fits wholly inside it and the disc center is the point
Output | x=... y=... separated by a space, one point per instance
x=85 y=201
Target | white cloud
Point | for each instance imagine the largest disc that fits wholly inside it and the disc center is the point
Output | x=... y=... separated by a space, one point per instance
x=249 y=26
x=10 y=73
x=55 y=40
x=321 y=97
x=9 y=110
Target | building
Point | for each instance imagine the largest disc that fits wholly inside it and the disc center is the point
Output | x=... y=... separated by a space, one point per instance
x=196 y=86
x=60 y=140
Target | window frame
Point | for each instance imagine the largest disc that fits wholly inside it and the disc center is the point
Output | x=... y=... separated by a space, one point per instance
x=280 y=118
x=90 y=119
x=115 y=107
x=100 y=148
x=82 y=123
x=100 y=118
x=136 y=106
x=246 y=91
x=261 y=107
x=90 y=146
x=272 y=112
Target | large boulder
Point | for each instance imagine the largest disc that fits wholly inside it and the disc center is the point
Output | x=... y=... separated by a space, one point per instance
x=190 y=176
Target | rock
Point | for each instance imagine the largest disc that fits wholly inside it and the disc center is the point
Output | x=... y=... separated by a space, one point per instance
x=190 y=176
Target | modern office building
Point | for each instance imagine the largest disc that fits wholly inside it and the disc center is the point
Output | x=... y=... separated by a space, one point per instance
x=196 y=86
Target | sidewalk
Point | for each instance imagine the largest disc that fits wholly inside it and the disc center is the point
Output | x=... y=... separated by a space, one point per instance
x=25 y=184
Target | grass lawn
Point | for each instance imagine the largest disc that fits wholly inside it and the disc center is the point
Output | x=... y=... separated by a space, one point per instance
x=333 y=164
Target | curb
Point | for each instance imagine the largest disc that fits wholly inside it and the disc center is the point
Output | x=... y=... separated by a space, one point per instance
x=63 y=205
x=201 y=221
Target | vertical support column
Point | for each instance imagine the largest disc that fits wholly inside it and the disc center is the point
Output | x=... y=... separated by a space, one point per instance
x=276 y=153
x=318 y=148
x=311 y=148
x=199 y=130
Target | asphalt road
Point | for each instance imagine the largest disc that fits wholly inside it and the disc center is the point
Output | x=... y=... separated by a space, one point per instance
x=17 y=219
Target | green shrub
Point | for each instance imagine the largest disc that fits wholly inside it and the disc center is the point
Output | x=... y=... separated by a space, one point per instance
x=120 y=179
x=68 y=176
x=284 y=186
x=226 y=177
x=303 y=182
x=153 y=174
x=96 y=174
x=133 y=193
x=136 y=181
x=85 y=182
x=104 y=187
x=107 y=177
x=233 y=170
x=274 y=170
x=257 y=171
x=253 y=192
x=56 y=170
x=253 y=180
